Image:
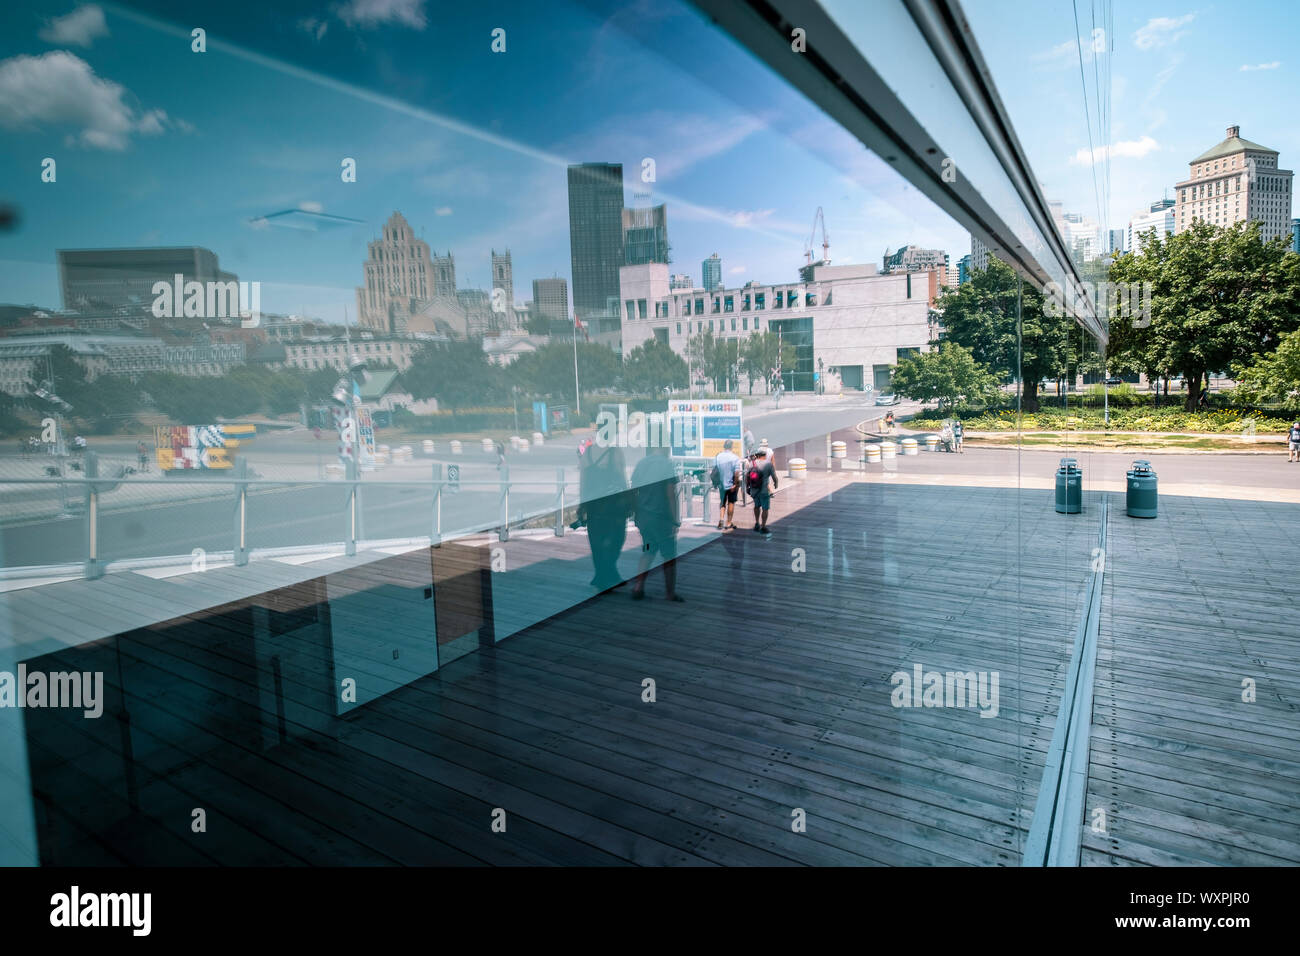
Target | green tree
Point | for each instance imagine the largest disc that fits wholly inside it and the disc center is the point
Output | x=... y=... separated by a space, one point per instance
x=1220 y=296
x=949 y=375
x=99 y=404
x=704 y=353
x=457 y=374
x=759 y=358
x=1274 y=376
x=981 y=316
x=652 y=366
x=549 y=370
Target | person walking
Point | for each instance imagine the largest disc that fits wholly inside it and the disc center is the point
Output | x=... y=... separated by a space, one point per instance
x=889 y=422
x=657 y=517
x=762 y=481
x=957 y=434
x=604 y=505
x=728 y=467
x=142 y=455
x=1293 y=442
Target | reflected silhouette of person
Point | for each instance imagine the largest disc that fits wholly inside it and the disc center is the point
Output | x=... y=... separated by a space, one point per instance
x=604 y=507
x=658 y=516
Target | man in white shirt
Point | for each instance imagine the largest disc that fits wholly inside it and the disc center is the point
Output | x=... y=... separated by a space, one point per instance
x=728 y=464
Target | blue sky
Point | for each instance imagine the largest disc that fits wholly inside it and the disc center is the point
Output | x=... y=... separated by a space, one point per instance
x=1180 y=74
x=158 y=145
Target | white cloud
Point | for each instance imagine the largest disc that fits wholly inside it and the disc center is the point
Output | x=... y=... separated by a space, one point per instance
x=313 y=27
x=372 y=13
x=442 y=211
x=1261 y=66
x=1132 y=149
x=748 y=217
x=1161 y=31
x=81 y=27
x=1068 y=53
x=152 y=123
x=736 y=271
x=61 y=88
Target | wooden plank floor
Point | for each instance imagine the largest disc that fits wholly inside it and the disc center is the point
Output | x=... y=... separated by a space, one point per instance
x=1196 y=602
x=773 y=695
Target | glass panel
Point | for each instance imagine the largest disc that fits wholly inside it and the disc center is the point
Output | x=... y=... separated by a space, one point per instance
x=384 y=456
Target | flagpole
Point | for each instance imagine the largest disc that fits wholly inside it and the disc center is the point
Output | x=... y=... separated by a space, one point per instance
x=577 y=393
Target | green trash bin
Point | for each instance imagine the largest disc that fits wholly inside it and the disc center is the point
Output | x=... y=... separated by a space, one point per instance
x=1069 y=487
x=1141 y=501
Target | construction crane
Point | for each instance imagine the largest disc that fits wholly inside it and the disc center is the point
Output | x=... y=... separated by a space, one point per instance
x=826 y=243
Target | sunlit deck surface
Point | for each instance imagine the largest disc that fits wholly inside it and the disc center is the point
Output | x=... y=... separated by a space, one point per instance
x=1186 y=770
x=772 y=688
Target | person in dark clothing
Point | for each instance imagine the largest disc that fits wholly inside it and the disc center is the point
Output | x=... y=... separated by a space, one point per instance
x=604 y=506
x=658 y=516
x=761 y=489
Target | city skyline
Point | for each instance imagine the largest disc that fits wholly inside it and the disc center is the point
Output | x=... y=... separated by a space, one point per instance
x=176 y=163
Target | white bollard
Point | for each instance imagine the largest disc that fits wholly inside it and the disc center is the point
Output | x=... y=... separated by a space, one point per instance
x=931 y=442
x=487 y=444
x=910 y=446
x=455 y=446
x=522 y=446
x=798 y=468
x=427 y=446
x=538 y=439
x=888 y=449
x=839 y=449
x=873 y=454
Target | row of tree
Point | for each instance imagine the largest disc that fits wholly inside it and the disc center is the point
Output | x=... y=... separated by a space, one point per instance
x=1222 y=300
x=723 y=361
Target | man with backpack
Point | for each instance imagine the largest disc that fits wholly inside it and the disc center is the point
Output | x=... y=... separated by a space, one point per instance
x=761 y=479
x=725 y=476
x=1293 y=442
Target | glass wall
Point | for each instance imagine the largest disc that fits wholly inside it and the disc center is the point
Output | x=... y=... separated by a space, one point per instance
x=370 y=545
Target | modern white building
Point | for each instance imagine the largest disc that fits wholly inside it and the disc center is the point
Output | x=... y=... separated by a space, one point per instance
x=848 y=319
x=1160 y=217
x=1234 y=181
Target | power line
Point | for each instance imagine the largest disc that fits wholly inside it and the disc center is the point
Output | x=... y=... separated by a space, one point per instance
x=1087 y=117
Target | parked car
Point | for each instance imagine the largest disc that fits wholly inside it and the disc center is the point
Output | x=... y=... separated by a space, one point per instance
x=887 y=399
x=1114 y=380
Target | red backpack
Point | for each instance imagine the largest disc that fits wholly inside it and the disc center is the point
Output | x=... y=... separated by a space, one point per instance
x=753 y=479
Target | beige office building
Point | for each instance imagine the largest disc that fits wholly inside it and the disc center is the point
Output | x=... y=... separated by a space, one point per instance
x=399 y=278
x=1234 y=181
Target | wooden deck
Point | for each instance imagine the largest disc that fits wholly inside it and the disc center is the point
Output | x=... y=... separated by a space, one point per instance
x=772 y=695
x=1195 y=603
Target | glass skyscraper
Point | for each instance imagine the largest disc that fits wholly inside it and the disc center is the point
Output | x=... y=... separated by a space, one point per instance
x=596 y=242
x=712 y=268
